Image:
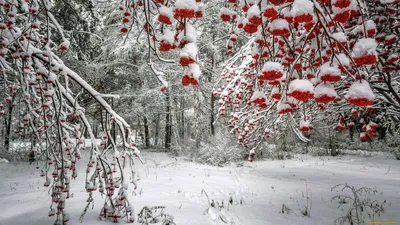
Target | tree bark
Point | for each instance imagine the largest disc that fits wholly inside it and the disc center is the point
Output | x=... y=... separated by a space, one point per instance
x=156 y=132
x=212 y=115
x=8 y=129
x=197 y=125
x=146 y=132
x=168 y=127
x=182 y=120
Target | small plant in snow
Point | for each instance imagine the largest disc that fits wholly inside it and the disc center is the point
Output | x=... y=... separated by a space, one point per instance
x=155 y=214
x=306 y=211
x=217 y=211
x=359 y=202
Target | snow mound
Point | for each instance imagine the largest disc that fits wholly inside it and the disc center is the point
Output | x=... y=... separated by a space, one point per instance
x=360 y=89
x=301 y=85
x=3 y=160
x=365 y=46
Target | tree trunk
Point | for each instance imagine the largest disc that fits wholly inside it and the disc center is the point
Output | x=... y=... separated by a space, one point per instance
x=212 y=115
x=182 y=119
x=8 y=129
x=197 y=125
x=333 y=147
x=156 y=132
x=168 y=127
x=146 y=132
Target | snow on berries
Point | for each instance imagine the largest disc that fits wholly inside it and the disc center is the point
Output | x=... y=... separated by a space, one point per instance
x=305 y=125
x=279 y=27
x=306 y=54
x=360 y=94
x=391 y=39
x=325 y=93
x=283 y=107
x=254 y=15
x=393 y=58
x=166 y=15
x=188 y=54
x=249 y=27
x=271 y=71
x=64 y=45
x=342 y=62
x=269 y=11
x=341 y=15
x=302 y=10
x=330 y=73
x=252 y=155
x=371 y=28
x=275 y=93
x=364 y=52
x=339 y=37
x=192 y=75
x=166 y=41
x=301 y=90
x=259 y=99
x=185 y=9
x=227 y=15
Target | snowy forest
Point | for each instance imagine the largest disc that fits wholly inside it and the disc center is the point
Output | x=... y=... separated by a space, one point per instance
x=199 y=112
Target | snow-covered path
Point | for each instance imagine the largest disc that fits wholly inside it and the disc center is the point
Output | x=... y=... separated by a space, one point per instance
x=262 y=186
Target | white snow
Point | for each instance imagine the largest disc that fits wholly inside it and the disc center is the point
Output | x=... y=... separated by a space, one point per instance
x=360 y=89
x=282 y=106
x=186 y=4
x=194 y=69
x=387 y=1
x=190 y=50
x=191 y=34
x=305 y=123
x=253 y=11
x=275 y=90
x=341 y=59
x=365 y=46
x=3 y=160
x=339 y=36
x=273 y=66
x=370 y=25
x=166 y=11
x=325 y=89
x=226 y=11
x=286 y=12
x=300 y=7
x=263 y=187
x=327 y=69
x=279 y=24
x=301 y=85
x=258 y=94
x=168 y=36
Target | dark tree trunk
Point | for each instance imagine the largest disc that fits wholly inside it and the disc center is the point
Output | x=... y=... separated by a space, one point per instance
x=8 y=129
x=156 y=132
x=212 y=102
x=212 y=115
x=168 y=126
x=146 y=132
x=182 y=120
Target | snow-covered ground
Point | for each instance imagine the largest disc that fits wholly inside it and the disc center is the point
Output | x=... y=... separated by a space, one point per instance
x=262 y=187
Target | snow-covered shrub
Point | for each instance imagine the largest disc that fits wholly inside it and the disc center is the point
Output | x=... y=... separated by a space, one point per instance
x=220 y=150
x=317 y=151
x=396 y=153
x=278 y=152
x=358 y=204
